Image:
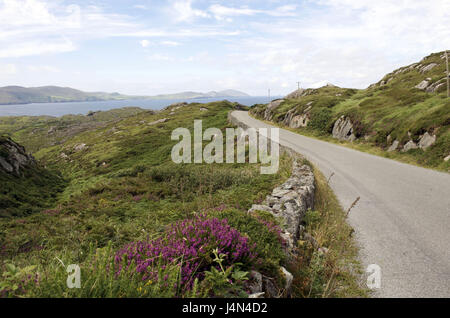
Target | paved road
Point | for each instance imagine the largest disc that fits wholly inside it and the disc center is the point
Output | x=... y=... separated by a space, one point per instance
x=402 y=220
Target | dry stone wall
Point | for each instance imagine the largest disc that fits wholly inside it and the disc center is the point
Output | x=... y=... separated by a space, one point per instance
x=289 y=203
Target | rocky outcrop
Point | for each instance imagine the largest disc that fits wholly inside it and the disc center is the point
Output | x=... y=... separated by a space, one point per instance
x=427 y=67
x=426 y=141
x=13 y=157
x=268 y=114
x=178 y=105
x=343 y=129
x=296 y=94
x=79 y=147
x=437 y=86
x=394 y=146
x=422 y=85
x=432 y=87
x=409 y=145
x=294 y=120
x=159 y=121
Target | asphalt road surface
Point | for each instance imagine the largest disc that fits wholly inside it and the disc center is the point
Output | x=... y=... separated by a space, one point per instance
x=402 y=221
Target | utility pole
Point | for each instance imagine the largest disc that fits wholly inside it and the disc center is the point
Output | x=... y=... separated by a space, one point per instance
x=448 y=75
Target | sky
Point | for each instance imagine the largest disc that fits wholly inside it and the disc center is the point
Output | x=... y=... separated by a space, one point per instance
x=153 y=47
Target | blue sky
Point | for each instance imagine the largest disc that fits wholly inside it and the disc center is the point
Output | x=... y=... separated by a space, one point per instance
x=152 y=47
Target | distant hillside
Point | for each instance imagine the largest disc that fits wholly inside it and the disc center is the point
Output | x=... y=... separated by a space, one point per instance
x=190 y=95
x=53 y=94
x=406 y=113
x=26 y=186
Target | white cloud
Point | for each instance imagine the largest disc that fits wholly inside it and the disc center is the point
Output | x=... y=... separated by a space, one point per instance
x=170 y=43
x=220 y=12
x=184 y=12
x=349 y=43
x=179 y=33
x=144 y=43
x=35 y=27
x=8 y=69
x=140 y=6
x=319 y=84
x=19 y=49
x=43 y=68
x=160 y=57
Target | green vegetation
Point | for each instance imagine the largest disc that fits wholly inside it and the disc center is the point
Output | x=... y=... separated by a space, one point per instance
x=52 y=94
x=36 y=189
x=392 y=107
x=37 y=132
x=100 y=192
x=122 y=187
x=334 y=272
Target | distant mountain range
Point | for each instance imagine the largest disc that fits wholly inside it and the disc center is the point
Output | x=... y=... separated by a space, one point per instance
x=189 y=95
x=54 y=94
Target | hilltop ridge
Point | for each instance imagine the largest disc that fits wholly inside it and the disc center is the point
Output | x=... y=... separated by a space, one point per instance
x=405 y=115
x=10 y=95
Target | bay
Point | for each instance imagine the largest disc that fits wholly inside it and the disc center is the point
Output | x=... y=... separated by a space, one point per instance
x=60 y=109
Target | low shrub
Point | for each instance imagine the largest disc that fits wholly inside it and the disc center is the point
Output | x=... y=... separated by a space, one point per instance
x=263 y=232
x=189 y=243
x=320 y=118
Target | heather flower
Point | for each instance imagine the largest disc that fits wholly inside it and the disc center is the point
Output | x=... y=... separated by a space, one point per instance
x=273 y=228
x=188 y=243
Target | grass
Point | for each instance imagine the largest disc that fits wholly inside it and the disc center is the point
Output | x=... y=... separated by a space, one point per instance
x=396 y=109
x=336 y=272
x=122 y=187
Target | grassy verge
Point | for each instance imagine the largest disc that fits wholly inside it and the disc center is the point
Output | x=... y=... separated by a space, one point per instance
x=335 y=270
x=414 y=157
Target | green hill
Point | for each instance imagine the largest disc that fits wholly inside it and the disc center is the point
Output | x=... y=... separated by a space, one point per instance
x=121 y=186
x=26 y=186
x=51 y=94
x=406 y=115
x=93 y=193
